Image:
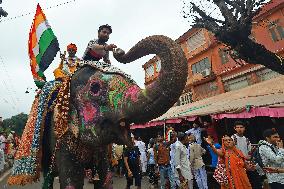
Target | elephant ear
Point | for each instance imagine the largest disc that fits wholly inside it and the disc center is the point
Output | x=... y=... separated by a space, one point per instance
x=73 y=121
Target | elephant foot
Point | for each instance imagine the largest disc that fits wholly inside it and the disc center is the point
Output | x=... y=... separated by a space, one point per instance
x=71 y=171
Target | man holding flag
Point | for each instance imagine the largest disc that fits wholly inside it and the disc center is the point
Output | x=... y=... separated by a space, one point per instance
x=68 y=65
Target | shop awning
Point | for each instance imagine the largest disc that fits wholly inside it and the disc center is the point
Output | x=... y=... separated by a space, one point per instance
x=262 y=99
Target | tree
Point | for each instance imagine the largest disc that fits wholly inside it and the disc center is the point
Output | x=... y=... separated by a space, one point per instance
x=16 y=123
x=234 y=29
x=2 y=12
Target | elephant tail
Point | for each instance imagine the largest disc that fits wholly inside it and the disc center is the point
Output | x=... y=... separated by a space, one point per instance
x=164 y=92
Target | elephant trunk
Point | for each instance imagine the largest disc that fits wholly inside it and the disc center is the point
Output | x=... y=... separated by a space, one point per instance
x=162 y=94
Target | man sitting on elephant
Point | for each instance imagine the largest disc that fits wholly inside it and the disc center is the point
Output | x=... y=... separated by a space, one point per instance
x=98 y=48
x=67 y=65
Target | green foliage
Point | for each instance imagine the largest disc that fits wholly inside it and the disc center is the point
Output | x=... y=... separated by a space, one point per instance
x=15 y=123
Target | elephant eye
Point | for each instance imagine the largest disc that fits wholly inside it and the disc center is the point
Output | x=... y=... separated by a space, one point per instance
x=95 y=88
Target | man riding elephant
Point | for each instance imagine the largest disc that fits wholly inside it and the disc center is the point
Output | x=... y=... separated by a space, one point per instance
x=98 y=48
x=68 y=65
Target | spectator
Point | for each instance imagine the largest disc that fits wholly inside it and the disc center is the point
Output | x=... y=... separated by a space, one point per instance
x=241 y=142
x=210 y=129
x=196 y=131
x=214 y=161
x=152 y=167
x=173 y=138
x=142 y=148
x=182 y=163
x=272 y=155
x=197 y=164
x=162 y=157
x=2 y=141
x=244 y=145
x=117 y=155
x=214 y=157
x=235 y=165
x=132 y=164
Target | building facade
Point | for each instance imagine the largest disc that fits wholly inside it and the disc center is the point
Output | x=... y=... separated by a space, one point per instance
x=211 y=68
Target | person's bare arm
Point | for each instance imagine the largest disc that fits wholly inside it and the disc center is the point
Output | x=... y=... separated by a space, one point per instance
x=107 y=61
x=273 y=169
x=109 y=47
x=129 y=173
x=215 y=150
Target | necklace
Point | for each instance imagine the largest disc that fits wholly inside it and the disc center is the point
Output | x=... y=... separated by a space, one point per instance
x=72 y=61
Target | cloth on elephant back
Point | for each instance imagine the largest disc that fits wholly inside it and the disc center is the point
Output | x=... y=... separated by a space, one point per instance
x=106 y=67
x=26 y=168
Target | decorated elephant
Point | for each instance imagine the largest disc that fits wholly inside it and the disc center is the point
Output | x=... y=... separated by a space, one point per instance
x=100 y=100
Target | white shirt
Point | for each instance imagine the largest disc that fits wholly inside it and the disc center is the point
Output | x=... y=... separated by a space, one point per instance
x=197 y=134
x=151 y=156
x=142 y=149
x=182 y=161
x=172 y=153
x=242 y=143
x=141 y=145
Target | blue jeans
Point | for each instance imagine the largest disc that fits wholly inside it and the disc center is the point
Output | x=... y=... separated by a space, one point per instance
x=166 y=172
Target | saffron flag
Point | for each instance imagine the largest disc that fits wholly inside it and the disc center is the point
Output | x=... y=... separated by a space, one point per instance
x=43 y=47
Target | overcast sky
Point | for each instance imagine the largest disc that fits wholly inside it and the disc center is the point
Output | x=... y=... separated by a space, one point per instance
x=77 y=22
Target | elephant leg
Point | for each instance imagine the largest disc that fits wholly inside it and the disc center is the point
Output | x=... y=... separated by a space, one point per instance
x=102 y=167
x=48 y=146
x=48 y=180
x=71 y=171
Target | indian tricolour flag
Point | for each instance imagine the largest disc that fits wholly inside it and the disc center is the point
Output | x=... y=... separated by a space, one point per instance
x=43 y=46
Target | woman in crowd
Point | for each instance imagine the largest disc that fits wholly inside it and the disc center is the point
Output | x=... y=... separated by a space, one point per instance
x=235 y=164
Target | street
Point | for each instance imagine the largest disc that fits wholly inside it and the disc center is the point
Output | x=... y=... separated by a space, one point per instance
x=119 y=183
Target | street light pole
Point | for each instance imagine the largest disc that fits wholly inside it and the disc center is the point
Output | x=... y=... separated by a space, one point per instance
x=3 y=13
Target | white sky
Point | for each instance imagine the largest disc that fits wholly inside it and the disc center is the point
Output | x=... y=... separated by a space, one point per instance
x=77 y=22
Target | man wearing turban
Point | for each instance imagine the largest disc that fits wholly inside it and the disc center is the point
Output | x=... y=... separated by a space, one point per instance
x=67 y=65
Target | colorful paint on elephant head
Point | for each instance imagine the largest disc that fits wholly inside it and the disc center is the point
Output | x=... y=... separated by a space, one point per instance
x=104 y=93
x=119 y=92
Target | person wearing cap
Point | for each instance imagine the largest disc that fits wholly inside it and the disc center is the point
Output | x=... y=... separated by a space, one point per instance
x=68 y=65
x=98 y=49
x=182 y=163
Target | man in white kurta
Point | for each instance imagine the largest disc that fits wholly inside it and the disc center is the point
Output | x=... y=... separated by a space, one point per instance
x=143 y=156
x=172 y=156
x=182 y=164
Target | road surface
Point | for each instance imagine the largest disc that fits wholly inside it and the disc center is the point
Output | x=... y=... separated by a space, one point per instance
x=119 y=183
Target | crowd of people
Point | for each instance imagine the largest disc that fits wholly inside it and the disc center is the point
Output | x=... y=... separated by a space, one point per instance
x=179 y=162
x=8 y=146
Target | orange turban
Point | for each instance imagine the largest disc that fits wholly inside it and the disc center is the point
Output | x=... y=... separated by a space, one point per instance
x=72 y=46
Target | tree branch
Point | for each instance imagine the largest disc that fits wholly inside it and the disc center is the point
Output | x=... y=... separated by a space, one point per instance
x=235 y=31
x=226 y=11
